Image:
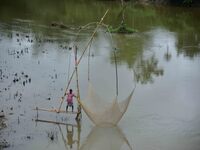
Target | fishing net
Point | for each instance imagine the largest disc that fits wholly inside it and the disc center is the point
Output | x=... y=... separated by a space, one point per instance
x=102 y=112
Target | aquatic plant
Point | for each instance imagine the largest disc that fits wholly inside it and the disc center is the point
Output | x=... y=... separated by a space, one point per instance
x=52 y=135
x=122 y=28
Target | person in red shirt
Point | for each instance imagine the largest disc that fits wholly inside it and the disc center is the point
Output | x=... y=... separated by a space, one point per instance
x=70 y=96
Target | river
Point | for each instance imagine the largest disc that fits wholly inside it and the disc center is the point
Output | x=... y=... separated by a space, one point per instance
x=162 y=59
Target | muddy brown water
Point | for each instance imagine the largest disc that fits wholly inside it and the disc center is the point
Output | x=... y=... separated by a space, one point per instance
x=162 y=59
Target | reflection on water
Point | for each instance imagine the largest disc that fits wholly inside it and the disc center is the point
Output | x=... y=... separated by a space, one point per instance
x=70 y=133
x=188 y=44
x=146 y=69
x=106 y=138
x=70 y=141
x=167 y=55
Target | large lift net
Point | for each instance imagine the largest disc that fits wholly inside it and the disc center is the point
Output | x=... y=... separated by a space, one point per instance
x=104 y=112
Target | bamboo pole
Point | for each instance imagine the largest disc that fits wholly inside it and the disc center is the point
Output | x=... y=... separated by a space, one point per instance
x=92 y=36
x=89 y=62
x=77 y=86
x=116 y=72
x=62 y=99
x=54 y=122
x=37 y=112
x=54 y=110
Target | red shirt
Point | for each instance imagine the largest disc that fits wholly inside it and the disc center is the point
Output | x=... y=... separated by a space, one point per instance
x=70 y=97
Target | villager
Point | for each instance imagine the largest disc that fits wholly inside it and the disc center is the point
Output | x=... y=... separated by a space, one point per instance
x=70 y=96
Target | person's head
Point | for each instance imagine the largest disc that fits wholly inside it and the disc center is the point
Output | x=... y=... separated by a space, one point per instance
x=70 y=90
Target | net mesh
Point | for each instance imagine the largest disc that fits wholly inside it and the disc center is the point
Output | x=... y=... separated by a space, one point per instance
x=103 y=112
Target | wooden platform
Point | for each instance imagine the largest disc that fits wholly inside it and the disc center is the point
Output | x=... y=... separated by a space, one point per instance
x=55 y=110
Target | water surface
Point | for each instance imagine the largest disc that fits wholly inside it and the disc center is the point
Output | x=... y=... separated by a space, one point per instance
x=162 y=59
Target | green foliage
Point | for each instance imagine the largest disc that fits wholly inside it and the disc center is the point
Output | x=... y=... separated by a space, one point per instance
x=187 y=2
x=122 y=28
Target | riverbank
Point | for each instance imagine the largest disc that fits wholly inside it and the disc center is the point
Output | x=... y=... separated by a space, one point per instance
x=186 y=3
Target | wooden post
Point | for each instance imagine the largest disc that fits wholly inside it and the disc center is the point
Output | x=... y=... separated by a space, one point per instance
x=78 y=116
x=89 y=62
x=116 y=73
x=37 y=113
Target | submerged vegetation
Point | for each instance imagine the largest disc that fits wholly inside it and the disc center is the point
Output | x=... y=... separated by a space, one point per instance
x=122 y=28
x=146 y=70
x=52 y=135
x=3 y=142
